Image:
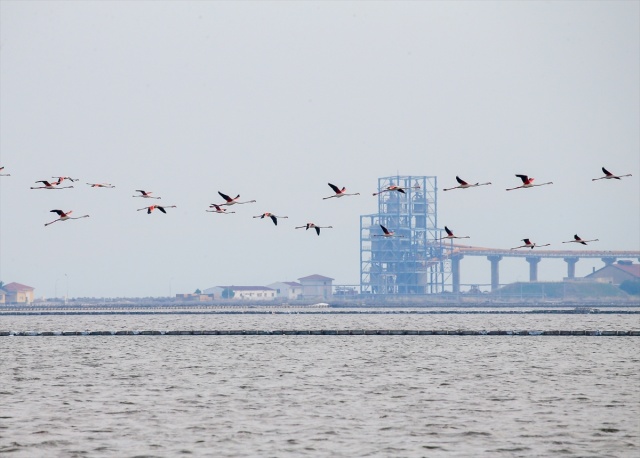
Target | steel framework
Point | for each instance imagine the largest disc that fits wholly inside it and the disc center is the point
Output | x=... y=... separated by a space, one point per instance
x=414 y=260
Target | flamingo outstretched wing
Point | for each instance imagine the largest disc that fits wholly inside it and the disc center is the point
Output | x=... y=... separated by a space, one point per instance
x=225 y=197
x=336 y=189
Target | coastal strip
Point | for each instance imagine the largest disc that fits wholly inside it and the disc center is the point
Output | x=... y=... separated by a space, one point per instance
x=326 y=332
x=5 y=311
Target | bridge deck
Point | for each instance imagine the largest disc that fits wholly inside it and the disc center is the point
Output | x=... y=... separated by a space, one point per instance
x=527 y=252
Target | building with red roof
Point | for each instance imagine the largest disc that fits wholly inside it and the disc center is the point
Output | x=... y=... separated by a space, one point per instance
x=617 y=273
x=16 y=293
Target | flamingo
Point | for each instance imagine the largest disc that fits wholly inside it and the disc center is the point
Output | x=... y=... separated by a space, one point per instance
x=386 y=233
x=64 y=216
x=273 y=217
x=313 y=226
x=4 y=174
x=102 y=185
x=145 y=194
x=48 y=185
x=577 y=239
x=234 y=200
x=527 y=183
x=528 y=244
x=451 y=236
x=218 y=209
x=609 y=176
x=464 y=184
x=339 y=192
x=61 y=179
x=159 y=207
x=394 y=187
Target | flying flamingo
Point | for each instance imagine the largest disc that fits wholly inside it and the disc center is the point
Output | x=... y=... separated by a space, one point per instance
x=609 y=176
x=61 y=179
x=151 y=208
x=451 y=236
x=273 y=217
x=234 y=200
x=145 y=194
x=528 y=244
x=218 y=209
x=102 y=185
x=527 y=183
x=464 y=184
x=339 y=192
x=394 y=187
x=4 y=174
x=386 y=233
x=577 y=239
x=313 y=226
x=48 y=185
x=64 y=216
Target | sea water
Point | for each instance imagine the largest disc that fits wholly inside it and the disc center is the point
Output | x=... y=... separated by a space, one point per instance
x=127 y=396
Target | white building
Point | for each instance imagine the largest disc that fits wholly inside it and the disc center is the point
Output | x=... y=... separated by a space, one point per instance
x=317 y=286
x=252 y=293
x=287 y=289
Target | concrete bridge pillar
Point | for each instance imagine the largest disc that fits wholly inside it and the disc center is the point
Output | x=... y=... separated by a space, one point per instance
x=495 y=273
x=608 y=260
x=533 y=267
x=455 y=270
x=571 y=266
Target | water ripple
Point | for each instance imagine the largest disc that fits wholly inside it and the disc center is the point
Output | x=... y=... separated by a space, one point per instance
x=318 y=395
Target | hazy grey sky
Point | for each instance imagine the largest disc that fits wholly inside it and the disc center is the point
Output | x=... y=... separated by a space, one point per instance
x=272 y=100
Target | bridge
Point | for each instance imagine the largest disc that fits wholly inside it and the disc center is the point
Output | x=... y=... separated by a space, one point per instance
x=571 y=257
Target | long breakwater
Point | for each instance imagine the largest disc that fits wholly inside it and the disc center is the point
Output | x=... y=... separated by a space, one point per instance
x=326 y=332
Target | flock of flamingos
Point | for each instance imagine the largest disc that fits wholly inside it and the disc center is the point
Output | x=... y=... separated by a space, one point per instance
x=527 y=182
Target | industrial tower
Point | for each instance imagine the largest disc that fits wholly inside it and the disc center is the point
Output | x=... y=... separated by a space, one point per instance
x=414 y=261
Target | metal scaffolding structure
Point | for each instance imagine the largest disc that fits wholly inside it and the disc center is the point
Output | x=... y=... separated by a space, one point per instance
x=415 y=260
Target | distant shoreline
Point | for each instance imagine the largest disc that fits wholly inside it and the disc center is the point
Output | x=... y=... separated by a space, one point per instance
x=242 y=309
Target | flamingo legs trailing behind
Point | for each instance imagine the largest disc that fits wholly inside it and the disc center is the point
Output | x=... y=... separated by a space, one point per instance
x=48 y=185
x=218 y=209
x=313 y=226
x=233 y=200
x=273 y=217
x=64 y=216
x=609 y=176
x=386 y=233
x=339 y=192
x=464 y=184
x=151 y=208
x=145 y=194
x=528 y=244
x=527 y=183
x=577 y=239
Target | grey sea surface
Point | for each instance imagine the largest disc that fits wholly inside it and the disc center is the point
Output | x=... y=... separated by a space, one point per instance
x=279 y=395
x=324 y=319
